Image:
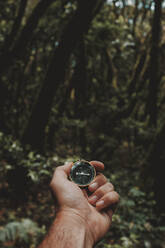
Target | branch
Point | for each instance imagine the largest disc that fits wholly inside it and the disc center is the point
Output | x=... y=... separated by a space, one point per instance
x=25 y=37
x=136 y=72
x=112 y=69
x=16 y=26
x=135 y=17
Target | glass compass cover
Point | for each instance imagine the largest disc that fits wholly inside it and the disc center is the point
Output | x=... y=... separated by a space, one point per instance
x=82 y=173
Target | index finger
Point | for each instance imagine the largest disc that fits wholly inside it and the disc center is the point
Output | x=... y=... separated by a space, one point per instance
x=99 y=166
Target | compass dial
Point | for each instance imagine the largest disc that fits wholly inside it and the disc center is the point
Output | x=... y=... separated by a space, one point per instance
x=82 y=173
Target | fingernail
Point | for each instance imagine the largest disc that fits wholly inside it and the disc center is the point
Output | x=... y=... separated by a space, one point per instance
x=100 y=203
x=93 y=198
x=93 y=186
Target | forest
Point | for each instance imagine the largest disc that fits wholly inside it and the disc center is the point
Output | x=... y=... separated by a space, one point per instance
x=82 y=79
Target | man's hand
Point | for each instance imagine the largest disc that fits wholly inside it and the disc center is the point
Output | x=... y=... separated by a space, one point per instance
x=94 y=212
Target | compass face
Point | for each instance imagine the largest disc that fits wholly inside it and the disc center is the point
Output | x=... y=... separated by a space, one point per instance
x=82 y=173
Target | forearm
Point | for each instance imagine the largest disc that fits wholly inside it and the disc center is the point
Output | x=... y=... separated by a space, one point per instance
x=67 y=232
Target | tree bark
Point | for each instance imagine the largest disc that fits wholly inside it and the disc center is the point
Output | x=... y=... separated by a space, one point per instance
x=154 y=64
x=81 y=85
x=156 y=159
x=156 y=164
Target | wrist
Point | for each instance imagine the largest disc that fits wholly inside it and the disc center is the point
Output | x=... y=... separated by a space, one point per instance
x=78 y=224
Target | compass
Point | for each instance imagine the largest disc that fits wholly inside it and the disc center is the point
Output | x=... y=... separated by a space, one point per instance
x=82 y=173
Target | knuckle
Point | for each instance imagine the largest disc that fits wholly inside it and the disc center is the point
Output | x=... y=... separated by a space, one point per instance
x=51 y=184
x=111 y=186
x=101 y=179
x=112 y=197
x=109 y=196
x=99 y=192
x=103 y=190
x=117 y=196
x=104 y=178
x=57 y=169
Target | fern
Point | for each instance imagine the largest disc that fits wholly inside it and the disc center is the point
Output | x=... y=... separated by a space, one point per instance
x=24 y=231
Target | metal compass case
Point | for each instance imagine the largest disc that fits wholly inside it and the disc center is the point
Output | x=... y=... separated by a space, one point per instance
x=82 y=173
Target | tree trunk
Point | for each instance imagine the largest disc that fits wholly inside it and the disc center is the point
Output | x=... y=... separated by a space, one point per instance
x=136 y=72
x=13 y=50
x=81 y=94
x=156 y=158
x=156 y=168
x=3 y=97
x=61 y=108
x=6 y=47
x=154 y=64
x=34 y=133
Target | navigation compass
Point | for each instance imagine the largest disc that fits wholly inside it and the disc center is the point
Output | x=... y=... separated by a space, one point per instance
x=82 y=173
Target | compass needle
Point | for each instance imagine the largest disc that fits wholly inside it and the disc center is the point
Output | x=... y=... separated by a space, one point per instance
x=82 y=173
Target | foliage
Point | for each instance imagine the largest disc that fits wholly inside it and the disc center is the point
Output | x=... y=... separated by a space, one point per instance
x=20 y=233
x=135 y=223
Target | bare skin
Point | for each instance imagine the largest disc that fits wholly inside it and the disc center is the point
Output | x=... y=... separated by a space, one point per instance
x=81 y=220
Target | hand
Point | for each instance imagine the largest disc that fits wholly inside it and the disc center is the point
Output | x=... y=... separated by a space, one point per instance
x=94 y=211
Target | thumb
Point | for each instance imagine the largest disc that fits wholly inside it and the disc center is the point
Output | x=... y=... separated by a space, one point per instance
x=61 y=173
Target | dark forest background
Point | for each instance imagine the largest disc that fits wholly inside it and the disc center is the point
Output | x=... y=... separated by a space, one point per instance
x=82 y=79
